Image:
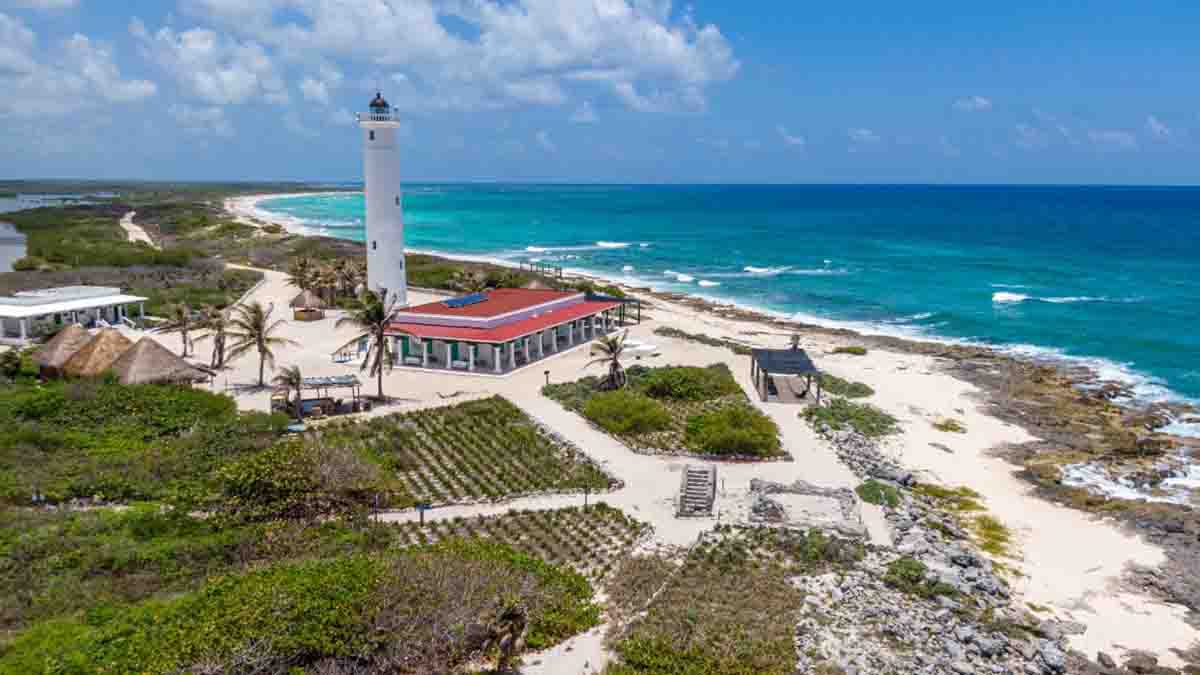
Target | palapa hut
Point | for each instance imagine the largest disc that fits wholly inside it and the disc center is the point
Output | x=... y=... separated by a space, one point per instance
x=148 y=362
x=308 y=306
x=52 y=355
x=97 y=355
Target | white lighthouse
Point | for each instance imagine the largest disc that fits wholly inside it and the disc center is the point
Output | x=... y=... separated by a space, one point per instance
x=381 y=192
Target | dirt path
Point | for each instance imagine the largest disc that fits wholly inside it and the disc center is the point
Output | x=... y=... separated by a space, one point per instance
x=135 y=232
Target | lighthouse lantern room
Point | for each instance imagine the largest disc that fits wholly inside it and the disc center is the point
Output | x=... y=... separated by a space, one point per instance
x=381 y=192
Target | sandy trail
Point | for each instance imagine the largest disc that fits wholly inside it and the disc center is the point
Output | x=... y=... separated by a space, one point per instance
x=135 y=232
x=1069 y=561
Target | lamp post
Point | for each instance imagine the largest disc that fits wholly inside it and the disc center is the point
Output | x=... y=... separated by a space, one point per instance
x=547 y=373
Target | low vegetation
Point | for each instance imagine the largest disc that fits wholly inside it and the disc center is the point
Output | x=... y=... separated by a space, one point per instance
x=426 y=609
x=730 y=610
x=484 y=449
x=853 y=350
x=674 y=409
x=95 y=439
x=909 y=575
x=836 y=386
x=966 y=506
x=950 y=426
x=872 y=491
x=735 y=347
x=840 y=414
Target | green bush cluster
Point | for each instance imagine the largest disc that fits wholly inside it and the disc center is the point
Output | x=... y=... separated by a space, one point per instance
x=689 y=383
x=626 y=412
x=854 y=350
x=415 y=607
x=836 y=386
x=97 y=438
x=909 y=575
x=734 y=430
x=736 y=348
x=872 y=491
x=863 y=418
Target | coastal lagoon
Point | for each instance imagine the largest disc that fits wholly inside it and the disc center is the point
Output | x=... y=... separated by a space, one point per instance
x=1106 y=276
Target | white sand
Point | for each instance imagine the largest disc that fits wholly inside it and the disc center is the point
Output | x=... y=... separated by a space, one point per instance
x=1069 y=560
x=134 y=231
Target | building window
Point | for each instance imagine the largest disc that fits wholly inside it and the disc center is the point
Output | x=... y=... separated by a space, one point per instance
x=371 y=134
x=397 y=200
x=374 y=245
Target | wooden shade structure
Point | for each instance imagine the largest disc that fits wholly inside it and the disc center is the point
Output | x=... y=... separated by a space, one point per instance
x=54 y=354
x=309 y=300
x=97 y=355
x=767 y=363
x=148 y=362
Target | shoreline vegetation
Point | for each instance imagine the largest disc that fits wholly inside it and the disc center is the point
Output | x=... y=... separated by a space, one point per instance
x=127 y=562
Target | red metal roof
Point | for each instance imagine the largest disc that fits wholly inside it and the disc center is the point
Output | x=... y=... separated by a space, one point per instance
x=506 y=332
x=499 y=301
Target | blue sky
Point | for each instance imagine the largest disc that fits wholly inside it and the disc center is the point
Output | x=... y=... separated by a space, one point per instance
x=605 y=90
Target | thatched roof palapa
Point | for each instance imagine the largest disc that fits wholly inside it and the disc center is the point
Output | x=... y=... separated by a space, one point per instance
x=148 y=362
x=61 y=347
x=97 y=355
x=309 y=300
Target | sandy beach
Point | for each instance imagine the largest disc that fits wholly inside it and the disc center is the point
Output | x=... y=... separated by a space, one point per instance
x=1067 y=563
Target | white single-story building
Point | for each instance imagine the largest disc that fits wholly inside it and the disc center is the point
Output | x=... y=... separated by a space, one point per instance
x=29 y=314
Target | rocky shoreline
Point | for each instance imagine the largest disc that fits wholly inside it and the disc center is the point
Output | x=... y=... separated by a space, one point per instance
x=958 y=616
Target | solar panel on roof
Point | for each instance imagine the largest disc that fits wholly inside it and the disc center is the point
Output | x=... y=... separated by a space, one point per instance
x=472 y=299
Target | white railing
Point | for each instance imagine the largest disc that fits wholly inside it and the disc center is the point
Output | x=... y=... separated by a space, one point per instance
x=378 y=117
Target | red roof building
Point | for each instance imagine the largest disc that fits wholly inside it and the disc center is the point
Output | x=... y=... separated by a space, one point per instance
x=499 y=330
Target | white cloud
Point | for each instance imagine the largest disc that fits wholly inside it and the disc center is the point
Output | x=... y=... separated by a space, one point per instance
x=45 y=4
x=1157 y=129
x=511 y=52
x=973 y=104
x=76 y=74
x=584 y=114
x=201 y=120
x=317 y=87
x=212 y=67
x=1115 y=140
x=789 y=139
x=543 y=140
x=862 y=136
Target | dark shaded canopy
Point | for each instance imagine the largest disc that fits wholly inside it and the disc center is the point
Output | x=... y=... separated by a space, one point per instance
x=379 y=103
x=784 y=362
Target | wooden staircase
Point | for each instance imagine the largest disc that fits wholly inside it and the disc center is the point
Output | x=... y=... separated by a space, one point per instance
x=697 y=492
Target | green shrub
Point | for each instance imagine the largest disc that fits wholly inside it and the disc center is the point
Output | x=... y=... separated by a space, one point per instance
x=626 y=412
x=950 y=426
x=836 y=386
x=880 y=494
x=28 y=263
x=863 y=418
x=735 y=430
x=854 y=350
x=909 y=575
x=736 y=348
x=690 y=383
x=414 y=607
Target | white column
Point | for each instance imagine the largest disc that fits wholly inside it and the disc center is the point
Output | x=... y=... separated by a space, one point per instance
x=554 y=339
x=471 y=357
x=424 y=354
x=449 y=355
x=525 y=346
x=512 y=354
x=541 y=338
x=24 y=331
x=141 y=310
x=570 y=333
x=496 y=357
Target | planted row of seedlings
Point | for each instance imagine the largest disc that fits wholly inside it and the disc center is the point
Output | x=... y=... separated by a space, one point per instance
x=484 y=449
x=592 y=540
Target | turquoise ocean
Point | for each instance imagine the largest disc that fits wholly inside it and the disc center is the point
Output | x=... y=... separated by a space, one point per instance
x=1104 y=276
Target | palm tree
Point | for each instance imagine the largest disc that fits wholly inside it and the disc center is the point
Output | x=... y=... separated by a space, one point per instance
x=471 y=282
x=611 y=347
x=326 y=278
x=216 y=321
x=372 y=317
x=291 y=379
x=182 y=321
x=300 y=272
x=251 y=328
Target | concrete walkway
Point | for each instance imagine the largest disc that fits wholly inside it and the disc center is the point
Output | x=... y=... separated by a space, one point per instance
x=135 y=232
